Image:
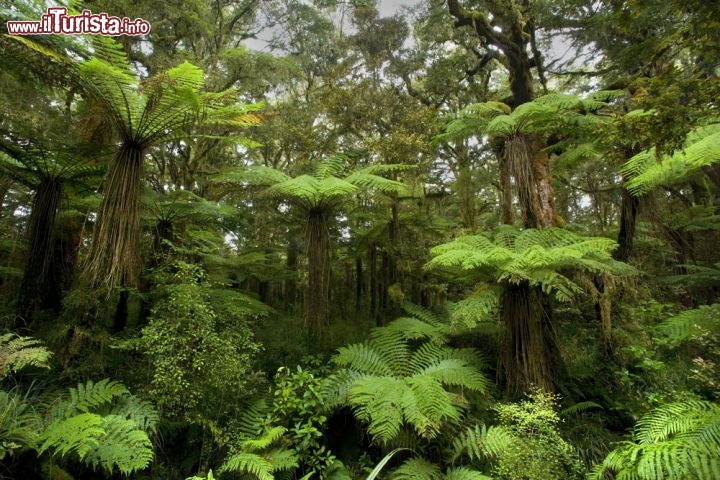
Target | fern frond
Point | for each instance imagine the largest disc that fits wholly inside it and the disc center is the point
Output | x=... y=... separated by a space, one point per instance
x=379 y=402
x=19 y=424
x=268 y=437
x=692 y=323
x=423 y=314
x=250 y=463
x=251 y=420
x=18 y=352
x=456 y=372
x=363 y=358
x=331 y=166
x=142 y=412
x=464 y=473
x=88 y=396
x=479 y=307
x=417 y=469
x=480 y=442
x=675 y=441
x=702 y=149
x=580 y=407
x=123 y=446
x=282 y=459
x=78 y=434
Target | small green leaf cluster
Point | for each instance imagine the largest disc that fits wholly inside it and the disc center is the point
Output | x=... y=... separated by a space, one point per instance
x=534 y=449
x=200 y=347
x=299 y=404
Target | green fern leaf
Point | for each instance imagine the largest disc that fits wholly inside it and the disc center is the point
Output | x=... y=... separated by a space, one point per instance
x=464 y=473
x=123 y=446
x=78 y=434
x=17 y=353
x=417 y=469
x=250 y=463
x=88 y=396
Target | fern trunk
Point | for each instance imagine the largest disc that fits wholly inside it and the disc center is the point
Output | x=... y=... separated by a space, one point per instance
x=628 y=218
x=529 y=348
x=114 y=257
x=531 y=169
x=41 y=227
x=317 y=243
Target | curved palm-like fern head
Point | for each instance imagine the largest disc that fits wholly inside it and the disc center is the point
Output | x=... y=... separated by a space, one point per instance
x=539 y=257
x=323 y=188
x=406 y=375
x=673 y=442
x=168 y=105
x=30 y=162
x=646 y=170
x=546 y=114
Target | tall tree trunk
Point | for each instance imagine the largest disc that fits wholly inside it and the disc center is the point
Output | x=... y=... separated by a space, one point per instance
x=506 y=199
x=290 y=285
x=531 y=169
x=530 y=348
x=41 y=227
x=61 y=271
x=114 y=257
x=359 y=284
x=464 y=186
x=628 y=219
x=318 y=291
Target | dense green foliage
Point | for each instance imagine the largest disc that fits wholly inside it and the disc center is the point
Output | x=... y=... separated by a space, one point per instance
x=345 y=240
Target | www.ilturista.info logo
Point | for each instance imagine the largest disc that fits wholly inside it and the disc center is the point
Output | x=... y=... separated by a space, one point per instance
x=56 y=20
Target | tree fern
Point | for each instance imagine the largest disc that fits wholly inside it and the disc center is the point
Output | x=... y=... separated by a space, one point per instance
x=675 y=441
x=406 y=375
x=544 y=114
x=317 y=193
x=160 y=108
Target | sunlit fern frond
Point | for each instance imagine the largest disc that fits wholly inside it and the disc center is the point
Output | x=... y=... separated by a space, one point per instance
x=692 y=323
x=647 y=171
x=674 y=441
x=534 y=255
x=18 y=352
x=406 y=375
x=480 y=442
